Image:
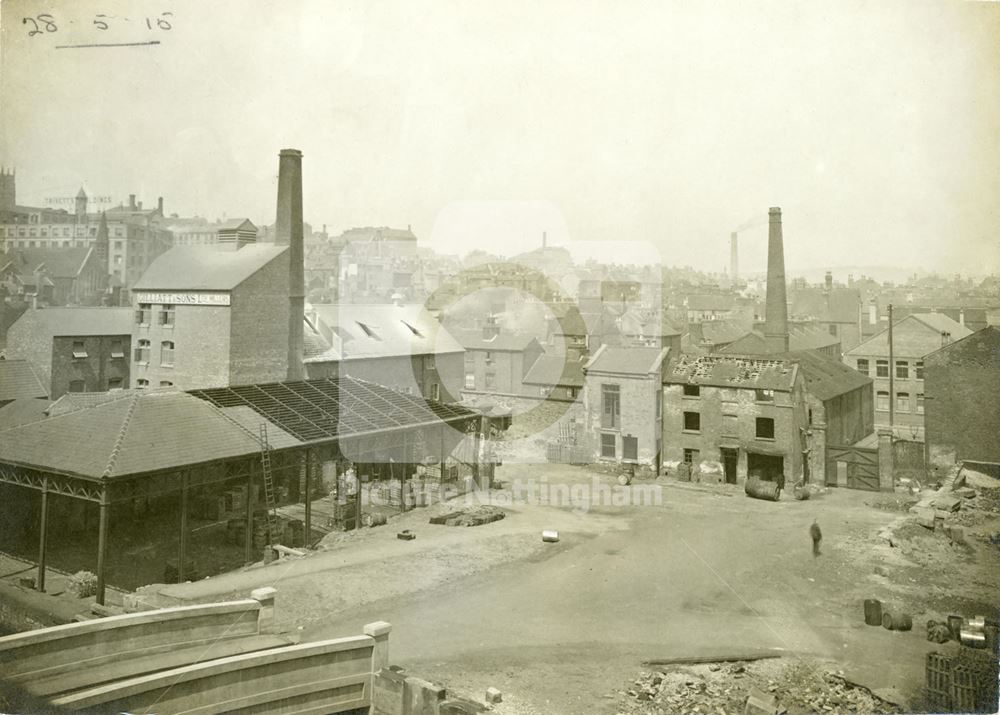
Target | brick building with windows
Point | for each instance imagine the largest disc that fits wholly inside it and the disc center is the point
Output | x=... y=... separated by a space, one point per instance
x=622 y=403
x=497 y=362
x=212 y=316
x=914 y=337
x=736 y=415
x=962 y=417
x=75 y=349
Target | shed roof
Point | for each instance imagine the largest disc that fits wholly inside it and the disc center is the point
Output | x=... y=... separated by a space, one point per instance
x=56 y=262
x=206 y=267
x=80 y=321
x=825 y=377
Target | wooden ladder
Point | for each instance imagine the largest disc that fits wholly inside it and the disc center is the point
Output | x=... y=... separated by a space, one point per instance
x=265 y=463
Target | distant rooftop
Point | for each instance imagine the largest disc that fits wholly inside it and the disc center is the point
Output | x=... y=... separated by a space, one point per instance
x=206 y=267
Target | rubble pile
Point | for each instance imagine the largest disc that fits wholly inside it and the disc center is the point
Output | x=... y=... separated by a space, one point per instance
x=470 y=516
x=796 y=688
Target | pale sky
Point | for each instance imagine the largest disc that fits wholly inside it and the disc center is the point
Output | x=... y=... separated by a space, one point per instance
x=874 y=125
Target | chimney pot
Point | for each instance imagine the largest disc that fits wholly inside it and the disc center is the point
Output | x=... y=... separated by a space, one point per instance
x=159 y=205
x=131 y=201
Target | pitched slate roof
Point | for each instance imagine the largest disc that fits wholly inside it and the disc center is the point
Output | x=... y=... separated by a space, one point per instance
x=734 y=371
x=67 y=321
x=140 y=431
x=58 y=262
x=983 y=346
x=25 y=409
x=372 y=331
x=914 y=336
x=206 y=267
x=754 y=343
x=825 y=377
x=555 y=370
x=841 y=306
x=504 y=341
x=626 y=361
x=18 y=379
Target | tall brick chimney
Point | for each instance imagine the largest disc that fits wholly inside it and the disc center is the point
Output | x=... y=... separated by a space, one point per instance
x=288 y=231
x=734 y=257
x=776 y=307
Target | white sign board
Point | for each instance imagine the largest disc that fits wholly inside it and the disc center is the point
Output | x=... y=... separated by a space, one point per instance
x=183 y=298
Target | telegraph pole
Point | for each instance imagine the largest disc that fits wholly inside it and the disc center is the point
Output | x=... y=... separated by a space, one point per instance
x=892 y=378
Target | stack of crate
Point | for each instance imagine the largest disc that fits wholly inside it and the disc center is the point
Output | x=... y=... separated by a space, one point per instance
x=965 y=682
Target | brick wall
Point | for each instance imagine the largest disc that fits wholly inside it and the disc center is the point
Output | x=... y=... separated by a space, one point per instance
x=739 y=432
x=258 y=337
x=96 y=371
x=638 y=399
x=962 y=414
x=200 y=334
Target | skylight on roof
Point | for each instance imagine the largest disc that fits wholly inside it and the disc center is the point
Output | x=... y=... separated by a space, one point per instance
x=412 y=329
x=367 y=330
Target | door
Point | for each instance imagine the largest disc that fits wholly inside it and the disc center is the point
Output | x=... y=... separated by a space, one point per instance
x=730 y=458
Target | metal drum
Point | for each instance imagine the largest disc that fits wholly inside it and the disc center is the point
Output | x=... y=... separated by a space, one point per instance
x=873 y=612
x=896 y=622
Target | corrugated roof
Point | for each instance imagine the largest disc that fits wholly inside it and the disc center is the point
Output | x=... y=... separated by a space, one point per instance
x=555 y=370
x=368 y=331
x=627 y=361
x=80 y=321
x=206 y=267
x=18 y=379
x=825 y=377
x=914 y=336
x=734 y=371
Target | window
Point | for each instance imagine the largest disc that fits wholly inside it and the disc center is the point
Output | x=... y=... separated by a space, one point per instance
x=918 y=369
x=692 y=391
x=573 y=392
x=833 y=328
x=764 y=395
x=630 y=447
x=765 y=428
x=435 y=391
x=902 y=369
x=143 y=314
x=166 y=383
x=45 y=232
x=117 y=349
x=115 y=383
x=691 y=456
x=470 y=381
x=491 y=380
x=167 y=353
x=882 y=401
x=608 y=446
x=79 y=350
x=692 y=421
x=611 y=417
x=881 y=368
x=863 y=366
x=167 y=316
x=920 y=403
x=77 y=386
x=142 y=352
x=118 y=231
x=903 y=401
x=118 y=260
x=118 y=245
x=489 y=358
x=141 y=383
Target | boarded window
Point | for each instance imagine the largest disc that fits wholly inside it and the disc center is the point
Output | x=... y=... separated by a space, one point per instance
x=765 y=428
x=692 y=421
x=630 y=447
x=692 y=390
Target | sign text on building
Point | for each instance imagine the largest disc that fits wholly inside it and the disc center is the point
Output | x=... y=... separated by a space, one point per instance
x=183 y=298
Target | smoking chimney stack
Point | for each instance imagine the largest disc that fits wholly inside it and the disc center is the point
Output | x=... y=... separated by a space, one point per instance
x=734 y=257
x=776 y=310
x=545 y=240
x=288 y=231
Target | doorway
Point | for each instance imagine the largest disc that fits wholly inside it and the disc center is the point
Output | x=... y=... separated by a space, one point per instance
x=730 y=458
x=767 y=467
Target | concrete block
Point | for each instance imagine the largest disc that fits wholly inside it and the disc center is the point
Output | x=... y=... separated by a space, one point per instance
x=925 y=517
x=493 y=695
x=265 y=617
x=956 y=534
x=388 y=692
x=422 y=697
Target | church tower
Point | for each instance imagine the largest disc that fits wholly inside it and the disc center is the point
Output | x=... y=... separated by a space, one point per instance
x=81 y=205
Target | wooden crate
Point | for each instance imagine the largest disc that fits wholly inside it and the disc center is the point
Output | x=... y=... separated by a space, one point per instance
x=938 y=681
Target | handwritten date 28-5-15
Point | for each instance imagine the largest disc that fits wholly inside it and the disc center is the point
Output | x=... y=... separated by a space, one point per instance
x=41 y=24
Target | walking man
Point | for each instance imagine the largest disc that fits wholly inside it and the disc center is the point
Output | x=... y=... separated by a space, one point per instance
x=817 y=536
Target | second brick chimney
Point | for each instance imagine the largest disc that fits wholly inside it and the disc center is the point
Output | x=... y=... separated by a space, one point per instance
x=288 y=230
x=776 y=307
